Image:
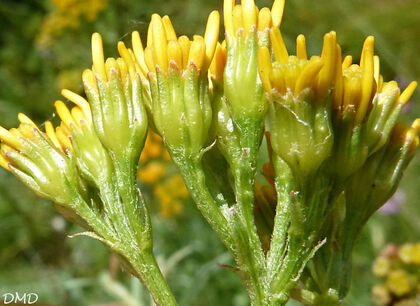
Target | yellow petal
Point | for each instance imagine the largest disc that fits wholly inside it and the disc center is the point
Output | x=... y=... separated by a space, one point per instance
x=137 y=68
x=279 y=48
x=79 y=101
x=185 y=45
x=367 y=78
x=77 y=114
x=408 y=92
x=149 y=41
x=160 y=52
x=338 y=80
x=278 y=81
x=122 y=68
x=98 y=55
x=352 y=92
x=139 y=51
x=64 y=113
x=326 y=75
x=169 y=28
x=248 y=14
x=277 y=12
x=380 y=83
x=110 y=64
x=148 y=56
x=175 y=53
x=218 y=64
x=347 y=62
x=49 y=130
x=264 y=19
x=301 y=47
x=238 y=22
x=9 y=138
x=227 y=14
x=89 y=79
x=211 y=35
x=26 y=120
x=197 y=52
x=122 y=50
x=265 y=68
x=416 y=125
x=308 y=75
x=376 y=68
x=63 y=138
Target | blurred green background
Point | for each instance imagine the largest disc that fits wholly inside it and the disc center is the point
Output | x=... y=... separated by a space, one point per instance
x=45 y=45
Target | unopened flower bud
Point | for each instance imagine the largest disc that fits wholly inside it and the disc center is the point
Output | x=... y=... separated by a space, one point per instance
x=33 y=158
x=299 y=95
x=117 y=101
x=179 y=84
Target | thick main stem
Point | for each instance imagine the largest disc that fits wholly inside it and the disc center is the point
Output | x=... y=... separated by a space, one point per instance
x=235 y=233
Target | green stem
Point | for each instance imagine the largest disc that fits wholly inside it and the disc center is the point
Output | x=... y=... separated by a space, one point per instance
x=132 y=222
x=149 y=273
x=250 y=257
x=134 y=206
x=307 y=201
x=115 y=210
x=195 y=181
x=83 y=210
x=250 y=253
x=237 y=241
x=283 y=184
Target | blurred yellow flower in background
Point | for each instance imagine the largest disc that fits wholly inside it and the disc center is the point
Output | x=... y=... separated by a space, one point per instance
x=154 y=148
x=410 y=253
x=67 y=14
x=152 y=172
x=171 y=194
x=399 y=268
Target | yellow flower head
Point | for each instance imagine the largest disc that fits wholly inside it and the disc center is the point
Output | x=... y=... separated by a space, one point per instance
x=164 y=49
x=11 y=140
x=353 y=86
x=296 y=74
x=70 y=118
x=125 y=67
x=356 y=85
x=247 y=17
x=217 y=66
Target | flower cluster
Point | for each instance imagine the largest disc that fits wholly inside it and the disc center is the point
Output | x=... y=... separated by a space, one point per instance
x=335 y=150
x=334 y=124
